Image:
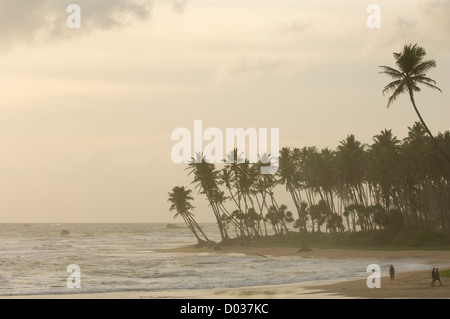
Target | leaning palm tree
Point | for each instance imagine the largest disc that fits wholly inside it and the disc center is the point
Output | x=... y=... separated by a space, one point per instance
x=206 y=178
x=411 y=72
x=180 y=199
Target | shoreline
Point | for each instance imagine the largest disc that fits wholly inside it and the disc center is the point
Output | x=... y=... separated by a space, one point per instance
x=409 y=284
x=432 y=257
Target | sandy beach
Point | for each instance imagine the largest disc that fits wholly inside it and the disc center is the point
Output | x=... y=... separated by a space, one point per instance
x=414 y=284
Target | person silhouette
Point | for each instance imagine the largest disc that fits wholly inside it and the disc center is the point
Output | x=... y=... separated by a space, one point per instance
x=437 y=276
x=392 y=272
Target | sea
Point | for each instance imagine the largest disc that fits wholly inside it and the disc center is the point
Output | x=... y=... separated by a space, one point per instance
x=35 y=259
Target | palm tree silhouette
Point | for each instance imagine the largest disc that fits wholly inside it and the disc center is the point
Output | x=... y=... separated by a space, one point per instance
x=411 y=72
x=206 y=178
x=350 y=166
x=289 y=174
x=180 y=199
x=384 y=164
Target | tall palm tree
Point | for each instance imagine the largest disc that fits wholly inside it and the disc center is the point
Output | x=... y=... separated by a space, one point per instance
x=206 y=178
x=384 y=165
x=350 y=165
x=290 y=173
x=412 y=69
x=416 y=152
x=180 y=199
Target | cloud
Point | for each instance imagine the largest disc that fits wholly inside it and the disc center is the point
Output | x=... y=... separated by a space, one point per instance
x=243 y=69
x=438 y=10
x=426 y=24
x=294 y=26
x=179 y=5
x=436 y=15
x=44 y=20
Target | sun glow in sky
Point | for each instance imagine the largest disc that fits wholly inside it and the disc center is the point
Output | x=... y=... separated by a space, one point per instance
x=86 y=114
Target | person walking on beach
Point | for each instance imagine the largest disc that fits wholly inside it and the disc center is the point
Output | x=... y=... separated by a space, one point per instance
x=392 y=272
x=433 y=277
x=437 y=276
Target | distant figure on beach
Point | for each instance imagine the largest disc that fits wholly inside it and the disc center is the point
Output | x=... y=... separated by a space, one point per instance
x=437 y=276
x=433 y=277
x=392 y=272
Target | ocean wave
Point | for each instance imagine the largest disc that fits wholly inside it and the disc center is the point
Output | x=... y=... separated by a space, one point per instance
x=122 y=258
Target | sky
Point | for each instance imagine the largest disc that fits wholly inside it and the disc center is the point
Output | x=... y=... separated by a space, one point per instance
x=86 y=114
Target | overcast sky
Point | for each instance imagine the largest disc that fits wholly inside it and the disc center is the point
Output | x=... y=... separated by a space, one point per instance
x=86 y=114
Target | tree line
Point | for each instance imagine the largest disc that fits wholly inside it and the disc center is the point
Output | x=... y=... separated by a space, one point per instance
x=355 y=187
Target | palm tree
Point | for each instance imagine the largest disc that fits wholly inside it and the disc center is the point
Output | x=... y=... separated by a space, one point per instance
x=350 y=166
x=411 y=72
x=318 y=213
x=324 y=176
x=180 y=198
x=289 y=175
x=206 y=178
x=416 y=152
x=278 y=217
x=384 y=165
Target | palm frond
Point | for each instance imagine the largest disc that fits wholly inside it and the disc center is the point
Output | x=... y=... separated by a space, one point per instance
x=432 y=86
x=427 y=82
x=392 y=86
x=400 y=89
x=414 y=87
x=423 y=67
x=422 y=78
x=410 y=57
x=394 y=73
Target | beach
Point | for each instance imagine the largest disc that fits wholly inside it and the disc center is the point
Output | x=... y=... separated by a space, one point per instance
x=411 y=284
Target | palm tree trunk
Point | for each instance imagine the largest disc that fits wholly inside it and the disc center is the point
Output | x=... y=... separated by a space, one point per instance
x=411 y=96
x=191 y=228
x=234 y=199
x=348 y=222
x=194 y=223
x=216 y=211
x=261 y=212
